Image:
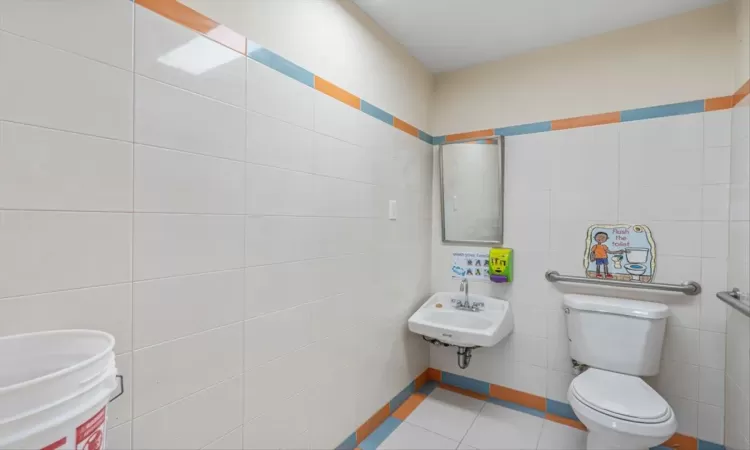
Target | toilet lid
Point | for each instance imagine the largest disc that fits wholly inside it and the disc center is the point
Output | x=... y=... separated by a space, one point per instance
x=622 y=396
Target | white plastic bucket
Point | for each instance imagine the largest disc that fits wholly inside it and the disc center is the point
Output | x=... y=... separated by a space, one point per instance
x=54 y=389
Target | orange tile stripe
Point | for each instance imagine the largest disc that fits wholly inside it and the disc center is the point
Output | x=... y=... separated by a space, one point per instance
x=420 y=380
x=462 y=391
x=741 y=93
x=182 y=14
x=179 y=13
x=373 y=423
x=565 y=421
x=586 y=121
x=718 y=103
x=405 y=127
x=681 y=442
x=521 y=398
x=409 y=406
x=434 y=374
x=336 y=92
x=677 y=441
x=469 y=135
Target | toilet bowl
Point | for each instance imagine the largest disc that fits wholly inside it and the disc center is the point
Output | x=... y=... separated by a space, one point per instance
x=635 y=270
x=620 y=411
x=637 y=258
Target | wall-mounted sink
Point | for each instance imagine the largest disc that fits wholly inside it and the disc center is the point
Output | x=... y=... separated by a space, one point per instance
x=439 y=318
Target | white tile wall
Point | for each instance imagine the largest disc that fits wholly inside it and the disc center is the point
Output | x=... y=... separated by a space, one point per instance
x=671 y=174
x=170 y=117
x=38 y=84
x=47 y=169
x=737 y=380
x=228 y=225
x=51 y=22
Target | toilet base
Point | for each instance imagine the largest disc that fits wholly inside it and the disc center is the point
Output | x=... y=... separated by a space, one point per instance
x=607 y=441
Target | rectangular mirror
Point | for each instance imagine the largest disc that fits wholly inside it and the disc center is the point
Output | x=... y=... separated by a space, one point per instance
x=471 y=188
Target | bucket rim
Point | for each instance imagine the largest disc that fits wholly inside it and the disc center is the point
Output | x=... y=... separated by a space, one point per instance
x=57 y=373
x=101 y=379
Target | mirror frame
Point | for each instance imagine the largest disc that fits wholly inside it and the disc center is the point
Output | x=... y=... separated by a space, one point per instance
x=501 y=169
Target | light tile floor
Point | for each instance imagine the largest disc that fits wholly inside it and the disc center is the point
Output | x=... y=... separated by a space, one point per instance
x=448 y=420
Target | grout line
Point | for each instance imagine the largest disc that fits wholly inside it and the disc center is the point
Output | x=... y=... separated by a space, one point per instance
x=185 y=275
x=223 y=436
x=69 y=52
x=209 y=330
x=484 y=403
x=187 y=152
x=185 y=397
x=91 y=211
x=58 y=291
x=204 y=96
x=60 y=130
x=244 y=256
x=132 y=227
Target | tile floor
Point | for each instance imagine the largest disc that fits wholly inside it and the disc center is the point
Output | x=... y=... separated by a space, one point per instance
x=448 y=420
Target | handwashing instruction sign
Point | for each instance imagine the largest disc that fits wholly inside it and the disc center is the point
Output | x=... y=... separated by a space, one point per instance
x=471 y=265
x=620 y=252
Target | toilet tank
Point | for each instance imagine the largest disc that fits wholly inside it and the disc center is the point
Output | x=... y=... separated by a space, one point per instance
x=616 y=334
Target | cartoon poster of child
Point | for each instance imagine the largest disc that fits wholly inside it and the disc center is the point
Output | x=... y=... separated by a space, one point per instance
x=620 y=252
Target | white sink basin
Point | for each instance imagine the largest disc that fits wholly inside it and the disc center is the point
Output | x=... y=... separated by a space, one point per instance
x=439 y=318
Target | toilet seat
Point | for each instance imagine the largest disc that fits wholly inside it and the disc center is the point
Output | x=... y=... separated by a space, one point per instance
x=617 y=396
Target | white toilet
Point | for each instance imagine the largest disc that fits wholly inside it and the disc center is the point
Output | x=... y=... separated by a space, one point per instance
x=637 y=258
x=619 y=340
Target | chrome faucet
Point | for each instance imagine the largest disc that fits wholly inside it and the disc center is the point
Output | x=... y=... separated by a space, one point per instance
x=465 y=289
x=466 y=305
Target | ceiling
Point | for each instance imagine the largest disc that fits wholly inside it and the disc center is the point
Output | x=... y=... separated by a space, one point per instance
x=451 y=34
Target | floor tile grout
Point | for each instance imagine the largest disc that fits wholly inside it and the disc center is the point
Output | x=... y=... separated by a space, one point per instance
x=484 y=404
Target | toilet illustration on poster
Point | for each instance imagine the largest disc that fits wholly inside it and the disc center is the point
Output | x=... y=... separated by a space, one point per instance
x=620 y=252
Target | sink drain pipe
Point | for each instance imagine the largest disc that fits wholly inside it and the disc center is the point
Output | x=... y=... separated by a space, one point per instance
x=464 y=357
x=463 y=354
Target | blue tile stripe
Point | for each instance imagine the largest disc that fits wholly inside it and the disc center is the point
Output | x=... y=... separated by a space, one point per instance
x=373 y=441
x=629 y=115
x=304 y=76
x=470 y=384
x=517 y=407
x=401 y=397
x=652 y=112
x=296 y=72
x=428 y=387
x=280 y=64
x=560 y=409
x=374 y=111
x=425 y=137
x=349 y=443
x=516 y=130
x=705 y=445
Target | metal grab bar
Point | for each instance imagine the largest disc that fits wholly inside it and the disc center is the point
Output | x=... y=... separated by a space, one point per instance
x=687 y=287
x=732 y=298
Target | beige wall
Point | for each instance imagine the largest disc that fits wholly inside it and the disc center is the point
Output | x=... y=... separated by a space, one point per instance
x=742 y=49
x=682 y=58
x=337 y=41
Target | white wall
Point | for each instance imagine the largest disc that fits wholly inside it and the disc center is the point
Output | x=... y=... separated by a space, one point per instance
x=738 y=326
x=671 y=174
x=230 y=229
x=686 y=57
x=335 y=40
